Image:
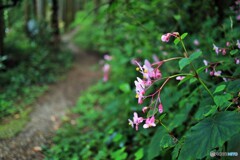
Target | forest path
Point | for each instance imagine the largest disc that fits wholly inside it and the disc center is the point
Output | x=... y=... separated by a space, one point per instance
x=49 y=108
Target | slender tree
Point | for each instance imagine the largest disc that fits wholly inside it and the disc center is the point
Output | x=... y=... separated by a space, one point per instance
x=2 y=28
x=54 y=22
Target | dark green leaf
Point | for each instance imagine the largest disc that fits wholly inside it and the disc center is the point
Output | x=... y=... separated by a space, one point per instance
x=183 y=63
x=208 y=134
x=211 y=111
x=160 y=140
x=222 y=100
x=195 y=55
x=199 y=70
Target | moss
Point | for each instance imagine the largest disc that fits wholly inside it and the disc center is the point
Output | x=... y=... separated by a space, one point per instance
x=14 y=124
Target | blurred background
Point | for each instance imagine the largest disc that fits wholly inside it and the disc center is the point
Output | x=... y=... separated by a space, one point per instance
x=42 y=41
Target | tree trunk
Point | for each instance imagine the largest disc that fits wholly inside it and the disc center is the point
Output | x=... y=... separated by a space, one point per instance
x=55 y=27
x=2 y=29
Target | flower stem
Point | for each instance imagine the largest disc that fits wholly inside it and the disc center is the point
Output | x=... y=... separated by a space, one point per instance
x=203 y=84
x=196 y=74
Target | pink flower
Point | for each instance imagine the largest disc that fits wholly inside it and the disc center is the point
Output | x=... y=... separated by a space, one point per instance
x=217 y=73
x=166 y=37
x=228 y=44
x=224 y=52
x=211 y=73
x=196 y=42
x=155 y=58
x=180 y=78
x=238 y=17
x=150 y=72
x=144 y=109
x=107 y=57
x=160 y=108
x=206 y=64
x=140 y=86
x=216 y=49
x=150 y=122
x=237 y=60
x=137 y=120
x=106 y=69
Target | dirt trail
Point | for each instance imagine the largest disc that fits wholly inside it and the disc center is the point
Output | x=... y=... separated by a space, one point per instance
x=54 y=104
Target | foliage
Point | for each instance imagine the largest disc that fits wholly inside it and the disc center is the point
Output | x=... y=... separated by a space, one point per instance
x=27 y=64
x=200 y=112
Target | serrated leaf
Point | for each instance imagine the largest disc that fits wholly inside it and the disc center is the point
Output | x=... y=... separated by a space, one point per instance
x=184 y=35
x=161 y=139
x=211 y=132
x=183 y=63
x=219 y=88
x=176 y=41
x=232 y=52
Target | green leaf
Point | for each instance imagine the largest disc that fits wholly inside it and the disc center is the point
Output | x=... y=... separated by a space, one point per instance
x=139 y=154
x=185 y=79
x=176 y=41
x=119 y=154
x=211 y=111
x=195 y=55
x=232 y=52
x=186 y=61
x=183 y=63
x=208 y=134
x=160 y=140
x=177 y=149
x=177 y=17
x=152 y=112
x=199 y=70
x=162 y=116
x=125 y=87
x=219 y=88
x=184 y=35
x=222 y=101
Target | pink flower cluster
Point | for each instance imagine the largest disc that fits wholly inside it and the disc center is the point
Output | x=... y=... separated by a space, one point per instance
x=166 y=37
x=212 y=67
x=149 y=75
x=149 y=122
x=224 y=50
x=106 y=68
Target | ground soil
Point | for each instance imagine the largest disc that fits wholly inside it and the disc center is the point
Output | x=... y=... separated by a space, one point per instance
x=54 y=104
